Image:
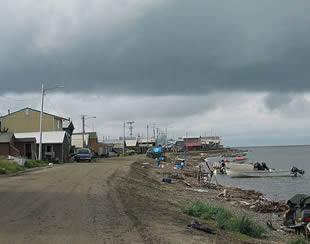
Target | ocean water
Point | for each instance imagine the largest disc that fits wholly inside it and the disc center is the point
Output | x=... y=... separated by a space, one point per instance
x=278 y=157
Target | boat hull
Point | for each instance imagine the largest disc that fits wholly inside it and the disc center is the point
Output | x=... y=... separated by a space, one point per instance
x=259 y=174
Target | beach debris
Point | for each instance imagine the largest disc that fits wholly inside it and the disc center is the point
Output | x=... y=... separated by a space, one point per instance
x=270 y=226
x=186 y=183
x=223 y=194
x=146 y=165
x=197 y=190
x=166 y=177
x=196 y=225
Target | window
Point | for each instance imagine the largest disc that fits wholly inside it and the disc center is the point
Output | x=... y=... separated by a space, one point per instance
x=27 y=112
x=49 y=148
x=58 y=124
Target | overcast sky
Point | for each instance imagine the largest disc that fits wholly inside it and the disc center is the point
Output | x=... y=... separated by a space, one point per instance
x=237 y=67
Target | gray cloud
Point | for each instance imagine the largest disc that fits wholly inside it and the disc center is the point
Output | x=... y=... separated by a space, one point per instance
x=156 y=48
x=274 y=101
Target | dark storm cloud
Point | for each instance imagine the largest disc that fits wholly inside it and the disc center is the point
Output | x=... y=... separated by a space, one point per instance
x=177 y=47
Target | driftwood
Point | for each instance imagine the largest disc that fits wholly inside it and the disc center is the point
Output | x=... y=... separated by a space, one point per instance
x=196 y=225
x=186 y=183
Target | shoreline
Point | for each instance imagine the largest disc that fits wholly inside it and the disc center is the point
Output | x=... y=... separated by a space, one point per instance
x=185 y=189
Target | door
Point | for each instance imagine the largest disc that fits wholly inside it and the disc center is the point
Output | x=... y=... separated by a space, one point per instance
x=28 y=150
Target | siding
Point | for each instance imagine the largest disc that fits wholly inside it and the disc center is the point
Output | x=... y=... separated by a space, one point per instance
x=29 y=121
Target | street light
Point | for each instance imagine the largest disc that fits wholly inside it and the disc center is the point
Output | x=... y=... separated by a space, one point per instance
x=43 y=90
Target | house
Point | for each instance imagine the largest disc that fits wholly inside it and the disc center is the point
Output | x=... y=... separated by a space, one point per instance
x=192 y=143
x=77 y=140
x=145 y=143
x=211 y=142
x=100 y=149
x=114 y=145
x=55 y=144
x=28 y=120
x=132 y=144
x=10 y=145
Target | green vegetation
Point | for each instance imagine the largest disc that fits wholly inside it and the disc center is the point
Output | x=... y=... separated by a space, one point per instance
x=225 y=219
x=7 y=167
x=298 y=240
x=35 y=163
x=10 y=167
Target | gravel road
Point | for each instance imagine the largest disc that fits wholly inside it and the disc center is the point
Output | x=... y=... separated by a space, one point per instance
x=71 y=203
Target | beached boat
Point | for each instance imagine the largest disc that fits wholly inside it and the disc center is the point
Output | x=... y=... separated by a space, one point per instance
x=259 y=173
x=239 y=167
x=240 y=160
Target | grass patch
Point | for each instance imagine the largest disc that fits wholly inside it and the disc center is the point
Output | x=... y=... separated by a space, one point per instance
x=298 y=240
x=8 y=168
x=11 y=167
x=224 y=219
x=35 y=163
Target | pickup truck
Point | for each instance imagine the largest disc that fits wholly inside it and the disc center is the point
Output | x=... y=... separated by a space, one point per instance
x=83 y=154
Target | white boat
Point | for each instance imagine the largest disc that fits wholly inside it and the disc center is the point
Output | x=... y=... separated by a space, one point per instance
x=259 y=173
x=235 y=166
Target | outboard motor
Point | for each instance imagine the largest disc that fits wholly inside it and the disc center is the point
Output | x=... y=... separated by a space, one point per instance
x=223 y=168
x=265 y=166
x=259 y=166
x=295 y=171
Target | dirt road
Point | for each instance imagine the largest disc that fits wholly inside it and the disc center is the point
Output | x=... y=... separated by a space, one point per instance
x=72 y=203
x=82 y=203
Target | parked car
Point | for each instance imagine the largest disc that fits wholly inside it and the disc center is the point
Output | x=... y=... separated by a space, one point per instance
x=83 y=154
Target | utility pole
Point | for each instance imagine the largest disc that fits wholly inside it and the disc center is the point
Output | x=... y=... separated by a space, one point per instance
x=157 y=136
x=130 y=126
x=124 y=138
x=147 y=136
x=84 y=117
x=41 y=122
x=83 y=130
x=43 y=90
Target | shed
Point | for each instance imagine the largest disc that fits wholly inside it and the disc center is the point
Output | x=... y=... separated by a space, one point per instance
x=7 y=146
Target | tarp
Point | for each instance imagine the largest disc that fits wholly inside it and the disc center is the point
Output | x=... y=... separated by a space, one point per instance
x=157 y=149
x=297 y=199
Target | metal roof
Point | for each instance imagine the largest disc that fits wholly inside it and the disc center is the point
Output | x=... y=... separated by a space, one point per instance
x=131 y=143
x=5 y=137
x=48 y=137
x=113 y=141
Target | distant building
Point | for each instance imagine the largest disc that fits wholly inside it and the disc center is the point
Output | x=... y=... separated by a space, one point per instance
x=28 y=120
x=192 y=143
x=198 y=143
x=145 y=143
x=90 y=141
x=114 y=145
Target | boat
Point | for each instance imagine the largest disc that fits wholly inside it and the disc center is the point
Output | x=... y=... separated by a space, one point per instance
x=240 y=159
x=234 y=166
x=260 y=173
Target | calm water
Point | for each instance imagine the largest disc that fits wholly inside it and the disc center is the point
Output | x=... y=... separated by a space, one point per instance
x=280 y=157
